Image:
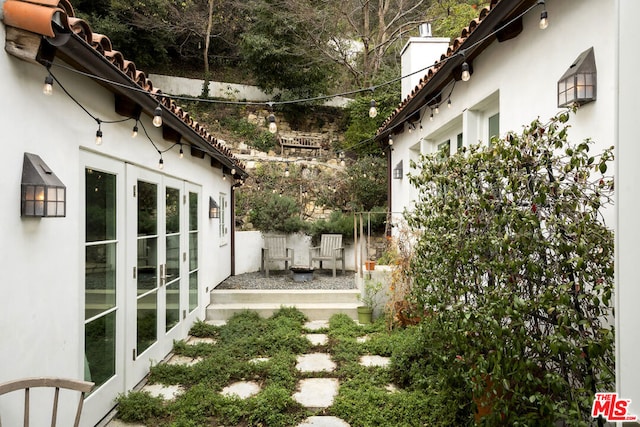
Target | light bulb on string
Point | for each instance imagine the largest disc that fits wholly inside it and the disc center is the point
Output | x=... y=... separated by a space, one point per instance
x=99 y=133
x=390 y=141
x=224 y=177
x=436 y=110
x=157 y=116
x=544 y=17
x=181 y=152
x=161 y=163
x=286 y=172
x=134 y=131
x=449 y=103
x=431 y=116
x=373 y=111
x=47 y=89
x=466 y=75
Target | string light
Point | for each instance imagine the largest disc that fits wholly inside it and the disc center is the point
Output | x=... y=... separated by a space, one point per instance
x=466 y=76
x=233 y=171
x=157 y=116
x=224 y=177
x=160 y=162
x=436 y=110
x=134 y=132
x=390 y=141
x=47 y=89
x=449 y=103
x=286 y=172
x=431 y=116
x=373 y=111
x=99 y=133
x=544 y=20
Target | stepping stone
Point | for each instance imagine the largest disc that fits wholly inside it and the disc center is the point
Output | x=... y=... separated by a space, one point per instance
x=242 y=389
x=362 y=339
x=375 y=361
x=391 y=388
x=216 y=322
x=315 y=325
x=167 y=392
x=317 y=393
x=119 y=423
x=197 y=340
x=317 y=339
x=315 y=362
x=323 y=421
x=178 y=359
x=260 y=360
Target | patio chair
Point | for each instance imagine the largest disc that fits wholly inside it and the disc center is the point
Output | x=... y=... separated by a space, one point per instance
x=330 y=249
x=275 y=249
x=58 y=383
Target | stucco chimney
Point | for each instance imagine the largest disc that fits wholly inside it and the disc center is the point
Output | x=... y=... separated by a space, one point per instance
x=419 y=53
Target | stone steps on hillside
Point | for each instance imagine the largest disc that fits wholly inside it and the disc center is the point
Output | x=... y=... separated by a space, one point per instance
x=314 y=303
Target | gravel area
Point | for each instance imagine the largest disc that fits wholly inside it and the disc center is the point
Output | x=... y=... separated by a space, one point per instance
x=322 y=279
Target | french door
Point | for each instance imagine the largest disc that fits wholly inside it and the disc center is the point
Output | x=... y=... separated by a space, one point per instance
x=141 y=273
x=156 y=268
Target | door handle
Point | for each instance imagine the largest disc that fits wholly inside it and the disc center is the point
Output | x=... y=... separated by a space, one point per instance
x=163 y=274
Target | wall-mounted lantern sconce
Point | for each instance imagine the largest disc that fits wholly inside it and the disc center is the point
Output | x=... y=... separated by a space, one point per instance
x=578 y=84
x=214 y=209
x=43 y=194
x=397 y=171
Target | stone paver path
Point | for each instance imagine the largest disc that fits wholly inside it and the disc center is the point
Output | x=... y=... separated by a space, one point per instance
x=315 y=325
x=196 y=340
x=315 y=362
x=317 y=339
x=260 y=360
x=183 y=360
x=242 y=389
x=167 y=392
x=323 y=421
x=317 y=393
x=374 y=361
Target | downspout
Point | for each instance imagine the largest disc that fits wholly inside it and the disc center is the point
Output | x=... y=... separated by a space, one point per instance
x=232 y=217
x=389 y=198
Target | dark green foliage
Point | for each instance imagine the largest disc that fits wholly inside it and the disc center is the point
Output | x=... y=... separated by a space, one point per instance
x=514 y=266
x=202 y=329
x=274 y=212
x=139 y=406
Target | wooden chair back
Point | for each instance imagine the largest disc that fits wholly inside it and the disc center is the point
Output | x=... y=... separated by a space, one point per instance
x=27 y=384
x=329 y=243
x=277 y=246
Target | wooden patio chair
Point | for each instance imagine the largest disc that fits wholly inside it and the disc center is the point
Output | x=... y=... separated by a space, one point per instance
x=57 y=383
x=330 y=249
x=275 y=249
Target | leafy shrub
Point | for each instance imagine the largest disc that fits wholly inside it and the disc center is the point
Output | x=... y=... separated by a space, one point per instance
x=202 y=329
x=275 y=213
x=514 y=265
x=275 y=407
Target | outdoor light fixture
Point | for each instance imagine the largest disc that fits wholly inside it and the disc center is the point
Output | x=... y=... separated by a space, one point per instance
x=134 y=132
x=466 y=75
x=544 y=19
x=157 y=116
x=397 y=171
x=214 y=209
x=373 y=111
x=181 y=152
x=99 y=134
x=47 y=89
x=43 y=194
x=273 y=127
x=390 y=141
x=578 y=84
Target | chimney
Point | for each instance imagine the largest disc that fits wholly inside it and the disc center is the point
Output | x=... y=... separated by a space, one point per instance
x=419 y=53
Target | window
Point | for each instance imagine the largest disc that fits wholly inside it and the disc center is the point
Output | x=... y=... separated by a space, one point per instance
x=494 y=127
x=444 y=149
x=224 y=230
x=101 y=246
x=459 y=142
x=193 y=251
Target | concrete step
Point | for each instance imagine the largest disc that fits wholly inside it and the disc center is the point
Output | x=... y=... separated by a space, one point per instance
x=283 y=296
x=314 y=311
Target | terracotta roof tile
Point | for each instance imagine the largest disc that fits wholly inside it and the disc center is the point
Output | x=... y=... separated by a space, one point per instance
x=40 y=16
x=451 y=51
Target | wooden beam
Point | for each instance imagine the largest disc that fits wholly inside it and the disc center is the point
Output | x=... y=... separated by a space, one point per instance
x=22 y=44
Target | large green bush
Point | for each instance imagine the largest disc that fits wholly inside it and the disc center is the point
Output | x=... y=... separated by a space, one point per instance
x=514 y=263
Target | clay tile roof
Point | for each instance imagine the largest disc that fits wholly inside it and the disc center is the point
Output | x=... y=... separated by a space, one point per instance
x=452 y=50
x=42 y=16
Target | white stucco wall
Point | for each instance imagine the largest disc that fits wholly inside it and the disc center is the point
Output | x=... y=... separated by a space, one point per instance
x=518 y=78
x=627 y=206
x=249 y=251
x=42 y=260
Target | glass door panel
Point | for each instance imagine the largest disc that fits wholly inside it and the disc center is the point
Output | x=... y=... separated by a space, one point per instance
x=147 y=266
x=193 y=251
x=172 y=256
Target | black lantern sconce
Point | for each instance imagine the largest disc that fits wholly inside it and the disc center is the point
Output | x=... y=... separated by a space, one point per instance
x=214 y=209
x=397 y=171
x=579 y=83
x=43 y=194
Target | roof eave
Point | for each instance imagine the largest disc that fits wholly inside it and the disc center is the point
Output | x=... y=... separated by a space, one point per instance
x=472 y=47
x=76 y=51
